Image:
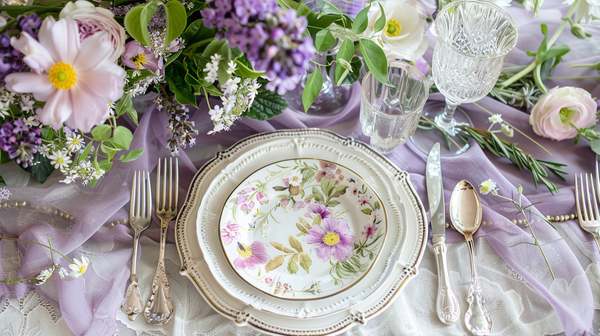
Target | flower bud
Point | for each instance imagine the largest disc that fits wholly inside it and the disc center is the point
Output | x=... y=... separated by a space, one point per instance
x=579 y=31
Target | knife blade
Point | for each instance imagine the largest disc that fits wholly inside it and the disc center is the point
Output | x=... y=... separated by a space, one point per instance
x=447 y=307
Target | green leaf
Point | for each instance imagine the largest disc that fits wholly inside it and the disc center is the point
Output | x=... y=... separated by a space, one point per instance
x=2 y=181
x=42 y=169
x=375 y=59
x=380 y=23
x=281 y=247
x=101 y=132
x=131 y=155
x=595 y=145
x=133 y=25
x=377 y=206
x=317 y=23
x=293 y=264
x=366 y=211
x=124 y=104
x=16 y=10
x=244 y=71
x=305 y=262
x=294 y=243
x=312 y=88
x=143 y=74
x=4 y=157
x=213 y=47
x=176 y=20
x=288 y=4
x=317 y=220
x=146 y=16
x=267 y=104
x=274 y=263
x=225 y=52
x=333 y=203
x=356 y=64
x=324 y=40
x=86 y=151
x=14 y=109
x=361 y=21
x=105 y=165
x=123 y=137
x=197 y=32
x=301 y=228
x=345 y=53
x=175 y=76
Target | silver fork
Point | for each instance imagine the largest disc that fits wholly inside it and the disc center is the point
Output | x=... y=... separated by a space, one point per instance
x=589 y=217
x=140 y=217
x=159 y=308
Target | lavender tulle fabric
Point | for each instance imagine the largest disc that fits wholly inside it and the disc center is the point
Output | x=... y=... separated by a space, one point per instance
x=90 y=303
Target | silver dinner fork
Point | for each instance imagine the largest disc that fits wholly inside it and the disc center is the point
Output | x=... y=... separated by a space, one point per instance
x=159 y=308
x=589 y=217
x=140 y=217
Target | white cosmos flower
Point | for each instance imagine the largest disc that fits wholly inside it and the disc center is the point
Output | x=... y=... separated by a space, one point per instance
x=487 y=186
x=59 y=159
x=79 y=267
x=295 y=179
x=404 y=33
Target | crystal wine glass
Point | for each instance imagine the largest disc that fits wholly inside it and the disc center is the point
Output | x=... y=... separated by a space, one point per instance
x=473 y=37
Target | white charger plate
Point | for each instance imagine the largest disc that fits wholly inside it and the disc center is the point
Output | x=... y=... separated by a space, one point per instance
x=401 y=266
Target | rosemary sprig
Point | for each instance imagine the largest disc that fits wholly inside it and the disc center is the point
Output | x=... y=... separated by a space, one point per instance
x=517 y=156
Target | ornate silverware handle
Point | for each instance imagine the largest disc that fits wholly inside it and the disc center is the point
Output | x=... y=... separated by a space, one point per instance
x=132 y=303
x=477 y=318
x=446 y=304
x=159 y=307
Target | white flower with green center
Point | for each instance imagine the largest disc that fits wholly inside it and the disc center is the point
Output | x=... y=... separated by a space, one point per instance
x=231 y=67
x=295 y=179
x=496 y=118
x=488 y=186
x=79 y=267
x=74 y=142
x=27 y=103
x=59 y=159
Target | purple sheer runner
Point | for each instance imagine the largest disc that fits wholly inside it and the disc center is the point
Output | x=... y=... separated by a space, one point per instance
x=90 y=303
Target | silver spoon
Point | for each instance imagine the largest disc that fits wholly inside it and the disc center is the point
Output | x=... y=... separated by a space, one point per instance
x=465 y=213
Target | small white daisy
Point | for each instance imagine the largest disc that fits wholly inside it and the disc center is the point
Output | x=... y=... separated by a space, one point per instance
x=59 y=159
x=98 y=173
x=79 y=267
x=216 y=113
x=44 y=275
x=496 y=118
x=215 y=58
x=210 y=67
x=74 y=142
x=211 y=77
x=231 y=86
x=65 y=274
x=487 y=186
x=32 y=122
x=228 y=102
x=27 y=104
x=295 y=179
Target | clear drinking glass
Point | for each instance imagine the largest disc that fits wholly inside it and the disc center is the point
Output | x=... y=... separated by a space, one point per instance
x=473 y=37
x=390 y=114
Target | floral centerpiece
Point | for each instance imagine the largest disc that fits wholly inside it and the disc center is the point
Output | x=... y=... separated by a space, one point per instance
x=70 y=70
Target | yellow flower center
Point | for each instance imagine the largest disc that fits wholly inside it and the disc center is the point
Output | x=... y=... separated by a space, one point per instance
x=62 y=76
x=295 y=179
x=245 y=250
x=60 y=160
x=331 y=238
x=565 y=115
x=75 y=141
x=393 y=28
x=139 y=60
x=82 y=269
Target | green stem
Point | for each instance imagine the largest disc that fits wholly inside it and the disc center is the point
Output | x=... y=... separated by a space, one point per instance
x=537 y=76
x=34 y=242
x=518 y=75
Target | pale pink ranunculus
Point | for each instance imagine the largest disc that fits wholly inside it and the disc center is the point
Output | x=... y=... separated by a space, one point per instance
x=92 y=19
x=75 y=78
x=554 y=113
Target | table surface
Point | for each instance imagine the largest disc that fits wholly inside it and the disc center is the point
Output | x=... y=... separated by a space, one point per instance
x=520 y=294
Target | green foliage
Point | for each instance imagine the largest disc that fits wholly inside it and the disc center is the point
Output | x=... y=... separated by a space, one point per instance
x=312 y=88
x=42 y=169
x=267 y=104
x=175 y=76
x=324 y=40
x=101 y=132
x=137 y=19
x=176 y=20
x=345 y=53
x=375 y=59
x=132 y=155
x=361 y=21
x=381 y=22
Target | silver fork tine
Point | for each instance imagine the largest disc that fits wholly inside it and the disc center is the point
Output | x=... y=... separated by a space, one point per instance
x=164 y=189
x=138 y=209
x=170 y=184
x=149 y=198
x=582 y=212
x=143 y=187
x=177 y=182
x=589 y=199
x=595 y=201
x=158 y=205
x=133 y=195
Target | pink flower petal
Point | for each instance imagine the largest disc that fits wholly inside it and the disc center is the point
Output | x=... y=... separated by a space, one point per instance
x=89 y=108
x=57 y=109
x=94 y=50
x=323 y=252
x=103 y=83
x=24 y=82
x=45 y=36
x=36 y=56
x=65 y=39
x=342 y=252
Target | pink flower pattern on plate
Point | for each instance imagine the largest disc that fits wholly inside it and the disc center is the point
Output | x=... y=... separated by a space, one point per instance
x=332 y=238
x=251 y=255
x=230 y=233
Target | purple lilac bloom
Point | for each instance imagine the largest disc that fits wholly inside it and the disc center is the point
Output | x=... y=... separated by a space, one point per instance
x=20 y=141
x=332 y=238
x=270 y=36
x=9 y=57
x=29 y=24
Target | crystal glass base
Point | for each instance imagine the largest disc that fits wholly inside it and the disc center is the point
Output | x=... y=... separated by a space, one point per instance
x=424 y=139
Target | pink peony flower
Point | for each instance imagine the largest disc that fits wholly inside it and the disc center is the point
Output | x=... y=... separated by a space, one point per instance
x=230 y=233
x=92 y=19
x=251 y=255
x=75 y=78
x=554 y=113
x=137 y=56
x=332 y=238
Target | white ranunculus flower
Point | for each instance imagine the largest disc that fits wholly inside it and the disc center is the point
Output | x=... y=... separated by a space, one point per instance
x=403 y=35
x=501 y=3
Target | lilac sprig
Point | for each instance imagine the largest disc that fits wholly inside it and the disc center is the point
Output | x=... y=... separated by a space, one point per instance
x=270 y=36
x=29 y=24
x=10 y=59
x=20 y=141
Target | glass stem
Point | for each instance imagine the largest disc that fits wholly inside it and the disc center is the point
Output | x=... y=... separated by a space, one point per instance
x=446 y=119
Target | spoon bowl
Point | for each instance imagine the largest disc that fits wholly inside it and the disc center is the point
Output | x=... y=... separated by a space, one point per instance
x=465 y=214
x=465 y=208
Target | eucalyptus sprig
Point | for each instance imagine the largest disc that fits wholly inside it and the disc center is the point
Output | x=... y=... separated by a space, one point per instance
x=489 y=186
x=517 y=156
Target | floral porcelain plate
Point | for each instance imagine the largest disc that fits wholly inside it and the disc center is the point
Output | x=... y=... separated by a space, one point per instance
x=302 y=229
x=204 y=262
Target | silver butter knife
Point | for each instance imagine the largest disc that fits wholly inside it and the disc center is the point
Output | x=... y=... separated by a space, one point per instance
x=446 y=305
